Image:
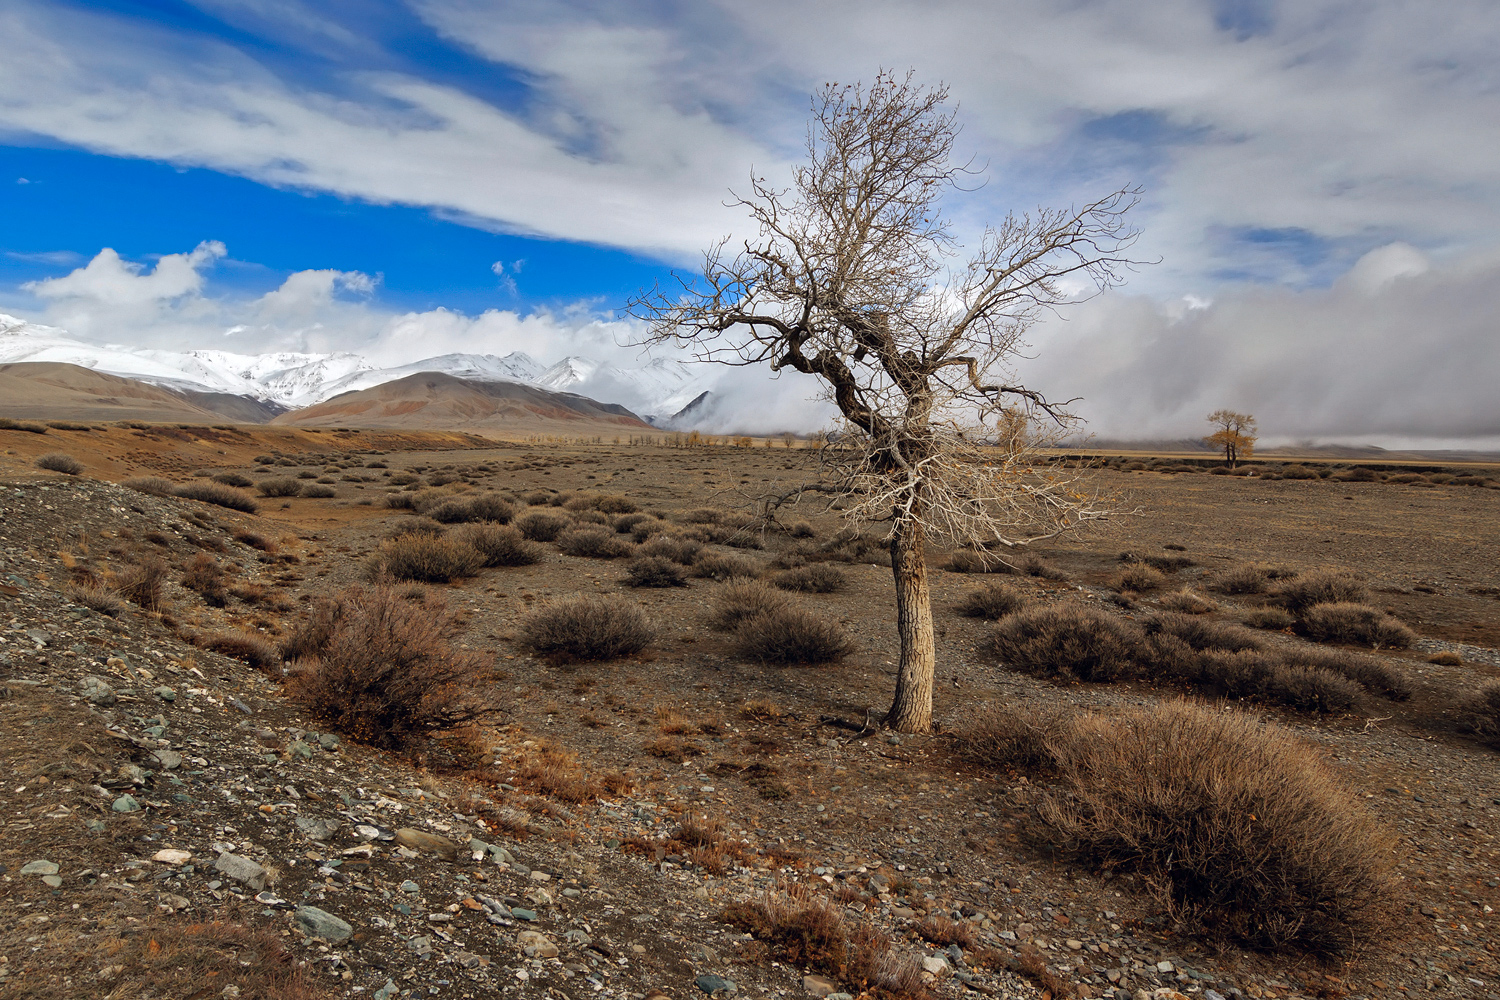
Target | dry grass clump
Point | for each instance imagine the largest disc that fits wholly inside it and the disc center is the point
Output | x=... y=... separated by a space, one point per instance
x=254 y=540
x=31 y=427
x=849 y=546
x=742 y=599
x=245 y=646
x=1248 y=579
x=1479 y=713
x=485 y=507
x=703 y=515
x=1014 y=737
x=387 y=672
x=801 y=529
x=313 y=491
x=790 y=635
x=56 y=461
x=1321 y=588
x=811 y=931
x=1067 y=640
x=1240 y=826
x=279 y=486
x=205 y=576
x=1373 y=673
x=723 y=566
x=1140 y=578
x=587 y=628
x=95 y=598
x=594 y=543
x=153 y=485
x=232 y=479
x=1188 y=603
x=424 y=559
x=219 y=495
x=540 y=526
x=991 y=602
x=1200 y=634
x=140 y=583
x=499 y=545
x=625 y=522
x=1258 y=676
x=819 y=578
x=977 y=561
x=679 y=550
x=1356 y=624
x=655 y=571
x=1274 y=619
x=1447 y=658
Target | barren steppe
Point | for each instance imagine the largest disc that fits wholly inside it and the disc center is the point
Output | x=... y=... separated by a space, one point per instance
x=622 y=806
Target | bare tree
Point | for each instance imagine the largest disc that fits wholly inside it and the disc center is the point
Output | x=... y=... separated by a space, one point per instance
x=1235 y=434
x=851 y=280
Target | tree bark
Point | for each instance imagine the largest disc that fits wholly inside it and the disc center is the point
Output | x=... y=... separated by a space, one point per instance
x=911 y=711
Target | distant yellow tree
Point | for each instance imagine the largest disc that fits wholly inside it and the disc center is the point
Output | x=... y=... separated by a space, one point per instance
x=1235 y=434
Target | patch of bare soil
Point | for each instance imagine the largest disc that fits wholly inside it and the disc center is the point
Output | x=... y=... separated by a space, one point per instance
x=582 y=819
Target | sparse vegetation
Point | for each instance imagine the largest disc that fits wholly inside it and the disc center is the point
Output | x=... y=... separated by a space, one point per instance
x=819 y=578
x=742 y=599
x=314 y=491
x=679 y=550
x=992 y=602
x=96 y=598
x=233 y=479
x=279 y=486
x=1356 y=624
x=540 y=526
x=205 y=576
x=1299 y=594
x=1066 y=640
x=593 y=543
x=140 y=582
x=587 y=628
x=1140 y=577
x=1274 y=619
x=724 y=566
x=29 y=426
x=219 y=495
x=246 y=646
x=56 y=461
x=499 y=545
x=152 y=485
x=1187 y=602
x=790 y=635
x=1479 y=713
x=978 y=561
x=486 y=507
x=424 y=559
x=655 y=571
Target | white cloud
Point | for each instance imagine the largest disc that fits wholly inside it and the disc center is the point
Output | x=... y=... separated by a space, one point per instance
x=110 y=281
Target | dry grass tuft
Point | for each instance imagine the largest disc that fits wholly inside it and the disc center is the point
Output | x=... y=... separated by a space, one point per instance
x=140 y=583
x=723 y=566
x=587 y=628
x=219 y=495
x=1479 y=713
x=992 y=602
x=205 y=576
x=255 y=541
x=459 y=510
x=1067 y=640
x=244 y=646
x=1447 y=658
x=541 y=526
x=1274 y=619
x=1370 y=672
x=424 y=558
x=499 y=545
x=233 y=479
x=152 y=485
x=56 y=461
x=95 y=598
x=790 y=635
x=819 y=578
x=279 y=486
x=1200 y=634
x=1356 y=624
x=1006 y=736
x=680 y=550
x=1188 y=603
x=594 y=543
x=655 y=571
x=1139 y=577
x=1321 y=588
x=978 y=561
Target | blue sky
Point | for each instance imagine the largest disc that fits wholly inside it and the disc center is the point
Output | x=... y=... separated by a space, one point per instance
x=424 y=163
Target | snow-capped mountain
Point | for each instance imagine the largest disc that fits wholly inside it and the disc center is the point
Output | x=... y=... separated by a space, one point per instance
x=294 y=380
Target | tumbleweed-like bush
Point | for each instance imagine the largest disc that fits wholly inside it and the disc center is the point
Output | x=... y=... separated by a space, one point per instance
x=279 y=486
x=219 y=495
x=992 y=601
x=499 y=545
x=1067 y=640
x=56 y=461
x=790 y=635
x=742 y=599
x=1356 y=625
x=587 y=628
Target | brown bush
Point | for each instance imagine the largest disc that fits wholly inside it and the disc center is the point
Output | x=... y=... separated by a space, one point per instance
x=1239 y=823
x=615 y=503
x=1321 y=588
x=313 y=491
x=458 y=510
x=1447 y=658
x=703 y=515
x=154 y=485
x=540 y=526
x=1274 y=619
x=811 y=932
x=279 y=486
x=587 y=628
x=388 y=672
x=255 y=541
x=1242 y=580
x=625 y=522
x=56 y=461
x=95 y=598
x=1201 y=634
x=1188 y=603
x=246 y=646
x=1067 y=640
x=654 y=571
x=1008 y=736
x=722 y=566
x=801 y=529
x=1140 y=577
x=819 y=578
x=205 y=576
x=593 y=543
x=978 y=561
x=1479 y=713
x=140 y=583
x=1356 y=624
x=679 y=550
x=499 y=545
x=790 y=636
x=423 y=558
x=992 y=602
x=737 y=601
x=219 y=495
x=1370 y=672
x=232 y=479
x=1259 y=676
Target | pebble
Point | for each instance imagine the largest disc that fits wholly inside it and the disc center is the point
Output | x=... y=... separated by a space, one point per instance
x=40 y=868
x=322 y=924
x=819 y=986
x=98 y=691
x=317 y=828
x=536 y=944
x=170 y=760
x=712 y=985
x=166 y=694
x=242 y=870
x=125 y=804
x=52 y=880
x=172 y=856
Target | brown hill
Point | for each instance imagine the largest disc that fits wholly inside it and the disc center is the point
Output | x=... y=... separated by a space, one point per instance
x=435 y=400
x=37 y=390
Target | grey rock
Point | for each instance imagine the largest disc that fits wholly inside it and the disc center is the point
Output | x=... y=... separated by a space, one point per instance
x=300 y=750
x=317 y=828
x=410 y=886
x=169 y=760
x=98 y=691
x=125 y=804
x=242 y=870
x=819 y=986
x=387 y=991
x=712 y=985
x=53 y=880
x=322 y=924
x=521 y=914
x=39 y=636
x=328 y=741
x=239 y=706
x=39 y=868
x=166 y=694
x=1212 y=995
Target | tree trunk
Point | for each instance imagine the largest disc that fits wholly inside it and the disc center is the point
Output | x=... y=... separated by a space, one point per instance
x=911 y=711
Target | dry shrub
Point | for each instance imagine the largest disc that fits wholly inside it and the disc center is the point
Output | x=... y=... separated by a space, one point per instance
x=818 y=578
x=992 y=602
x=153 y=485
x=244 y=646
x=140 y=583
x=1034 y=565
x=1238 y=824
x=1005 y=736
x=458 y=510
x=279 y=486
x=401 y=501
x=977 y=561
x=1243 y=580
x=232 y=479
x=313 y=491
x=587 y=628
x=1188 y=603
x=540 y=526
x=723 y=566
x=424 y=558
x=1371 y=672
x=679 y=550
x=95 y=598
x=499 y=545
x=219 y=495
x=255 y=541
x=1447 y=658
x=761 y=710
x=205 y=576
x=593 y=543
x=1321 y=588
x=1356 y=624
x=654 y=571
x=615 y=503
x=811 y=932
x=941 y=931
x=790 y=636
x=1201 y=634
x=1479 y=713
x=29 y=426
x=56 y=461
x=313 y=634
x=1140 y=577
x=551 y=771
x=1259 y=676
x=1167 y=564
x=1274 y=619
x=743 y=599
x=389 y=674
x=625 y=522
x=801 y=529
x=1067 y=640
x=643 y=530
x=703 y=515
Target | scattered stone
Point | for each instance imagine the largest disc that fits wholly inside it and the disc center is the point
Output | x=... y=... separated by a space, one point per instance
x=536 y=945
x=322 y=924
x=166 y=694
x=168 y=760
x=125 y=804
x=386 y=992
x=242 y=870
x=317 y=828
x=300 y=750
x=410 y=886
x=171 y=902
x=39 y=636
x=172 y=856
x=715 y=985
x=521 y=914
x=98 y=691
x=936 y=964
x=416 y=840
x=328 y=741
x=819 y=986
x=53 y=881
x=40 y=868
x=267 y=738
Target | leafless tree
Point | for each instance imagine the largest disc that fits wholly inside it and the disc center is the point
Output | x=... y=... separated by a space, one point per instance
x=852 y=278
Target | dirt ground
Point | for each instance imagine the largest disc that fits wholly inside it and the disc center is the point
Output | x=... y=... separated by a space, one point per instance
x=899 y=828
